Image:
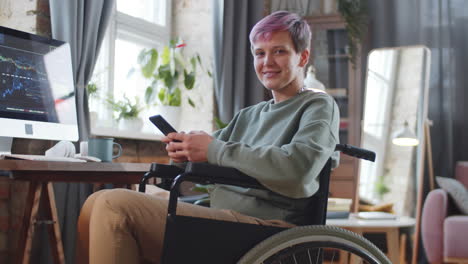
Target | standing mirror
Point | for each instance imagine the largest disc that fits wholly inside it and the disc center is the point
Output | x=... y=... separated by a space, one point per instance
x=395 y=104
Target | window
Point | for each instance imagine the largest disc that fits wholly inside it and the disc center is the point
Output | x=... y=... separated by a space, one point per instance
x=134 y=25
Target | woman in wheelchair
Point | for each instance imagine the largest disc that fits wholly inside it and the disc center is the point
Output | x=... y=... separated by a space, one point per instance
x=282 y=143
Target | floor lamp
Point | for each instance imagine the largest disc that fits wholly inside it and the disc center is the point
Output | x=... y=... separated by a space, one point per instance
x=427 y=149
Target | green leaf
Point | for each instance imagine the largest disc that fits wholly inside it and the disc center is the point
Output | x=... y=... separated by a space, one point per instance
x=162 y=94
x=175 y=98
x=209 y=74
x=203 y=188
x=189 y=80
x=199 y=59
x=193 y=61
x=172 y=43
x=219 y=124
x=167 y=69
x=191 y=102
x=91 y=89
x=125 y=108
x=166 y=56
x=164 y=74
x=149 y=63
x=149 y=94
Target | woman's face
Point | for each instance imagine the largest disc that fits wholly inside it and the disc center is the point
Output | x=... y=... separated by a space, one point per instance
x=277 y=64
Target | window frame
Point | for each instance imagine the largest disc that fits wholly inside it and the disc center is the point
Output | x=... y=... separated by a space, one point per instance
x=137 y=30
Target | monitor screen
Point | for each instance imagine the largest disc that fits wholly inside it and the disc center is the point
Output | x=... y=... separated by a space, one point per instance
x=37 y=94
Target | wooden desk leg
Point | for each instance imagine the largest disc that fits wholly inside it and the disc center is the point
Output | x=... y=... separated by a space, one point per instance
x=393 y=246
x=33 y=199
x=53 y=228
x=403 y=249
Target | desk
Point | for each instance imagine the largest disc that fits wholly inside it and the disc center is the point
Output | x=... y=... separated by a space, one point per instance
x=391 y=228
x=40 y=174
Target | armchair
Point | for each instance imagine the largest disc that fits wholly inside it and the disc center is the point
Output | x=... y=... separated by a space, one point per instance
x=444 y=228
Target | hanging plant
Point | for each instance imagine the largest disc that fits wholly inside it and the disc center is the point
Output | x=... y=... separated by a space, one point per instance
x=354 y=12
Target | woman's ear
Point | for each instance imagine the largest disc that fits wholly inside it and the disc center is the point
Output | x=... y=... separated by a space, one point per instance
x=304 y=58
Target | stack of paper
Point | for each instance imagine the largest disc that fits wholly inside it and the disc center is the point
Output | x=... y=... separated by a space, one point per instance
x=338 y=208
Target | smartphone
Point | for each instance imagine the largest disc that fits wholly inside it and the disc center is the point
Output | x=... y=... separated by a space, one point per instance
x=162 y=125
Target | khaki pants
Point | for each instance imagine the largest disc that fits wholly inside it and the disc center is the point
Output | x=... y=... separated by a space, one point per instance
x=124 y=226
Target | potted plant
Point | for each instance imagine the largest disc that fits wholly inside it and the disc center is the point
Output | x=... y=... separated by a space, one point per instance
x=127 y=113
x=93 y=97
x=168 y=70
x=354 y=12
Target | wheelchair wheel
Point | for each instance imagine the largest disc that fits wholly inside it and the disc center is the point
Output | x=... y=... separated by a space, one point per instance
x=314 y=244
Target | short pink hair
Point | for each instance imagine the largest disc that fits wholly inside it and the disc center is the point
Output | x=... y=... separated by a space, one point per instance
x=297 y=27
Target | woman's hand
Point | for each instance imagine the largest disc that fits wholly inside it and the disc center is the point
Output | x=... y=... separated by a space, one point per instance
x=193 y=146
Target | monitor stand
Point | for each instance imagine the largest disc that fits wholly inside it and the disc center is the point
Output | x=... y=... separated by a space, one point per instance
x=5 y=145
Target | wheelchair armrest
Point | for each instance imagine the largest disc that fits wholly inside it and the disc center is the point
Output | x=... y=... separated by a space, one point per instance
x=164 y=171
x=207 y=173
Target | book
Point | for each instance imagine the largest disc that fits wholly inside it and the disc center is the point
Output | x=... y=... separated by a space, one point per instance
x=339 y=204
x=337 y=215
x=376 y=216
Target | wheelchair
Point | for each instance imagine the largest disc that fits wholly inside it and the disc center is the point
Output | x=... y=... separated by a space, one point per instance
x=198 y=240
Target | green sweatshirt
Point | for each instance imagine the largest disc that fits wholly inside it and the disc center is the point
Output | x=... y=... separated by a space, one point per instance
x=284 y=146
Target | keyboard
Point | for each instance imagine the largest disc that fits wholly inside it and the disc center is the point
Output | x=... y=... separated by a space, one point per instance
x=40 y=158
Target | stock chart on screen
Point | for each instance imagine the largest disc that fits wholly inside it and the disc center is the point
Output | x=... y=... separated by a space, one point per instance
x=24 y=86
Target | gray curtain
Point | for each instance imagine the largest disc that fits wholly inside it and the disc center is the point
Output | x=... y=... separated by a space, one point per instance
x=82 y=23
x=236 y=84
x=441 y=25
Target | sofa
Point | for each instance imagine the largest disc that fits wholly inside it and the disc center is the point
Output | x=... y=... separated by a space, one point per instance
x=444 y=229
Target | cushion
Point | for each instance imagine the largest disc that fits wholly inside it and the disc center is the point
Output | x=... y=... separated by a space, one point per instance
x=455 y=233
x=461 y=172
x=457 y=191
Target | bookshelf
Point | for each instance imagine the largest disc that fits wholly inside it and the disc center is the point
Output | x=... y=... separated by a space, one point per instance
x=342 y=79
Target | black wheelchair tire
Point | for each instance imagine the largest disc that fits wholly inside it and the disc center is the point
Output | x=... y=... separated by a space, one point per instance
x=314 y=237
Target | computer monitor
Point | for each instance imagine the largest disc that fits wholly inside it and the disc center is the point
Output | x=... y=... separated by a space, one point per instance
x=37 y=92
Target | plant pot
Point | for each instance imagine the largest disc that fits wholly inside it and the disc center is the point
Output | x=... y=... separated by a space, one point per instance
x=170 y=113
x=93 y=118
x=131 y=124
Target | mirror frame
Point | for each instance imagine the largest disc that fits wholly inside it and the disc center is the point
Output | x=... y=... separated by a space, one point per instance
x=422 y=128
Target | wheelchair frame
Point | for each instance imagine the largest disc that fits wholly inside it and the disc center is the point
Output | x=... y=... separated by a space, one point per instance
x=226 y=242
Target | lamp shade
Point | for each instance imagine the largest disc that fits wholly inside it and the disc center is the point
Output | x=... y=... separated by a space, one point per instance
x=311 y=81
x=405 y=137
